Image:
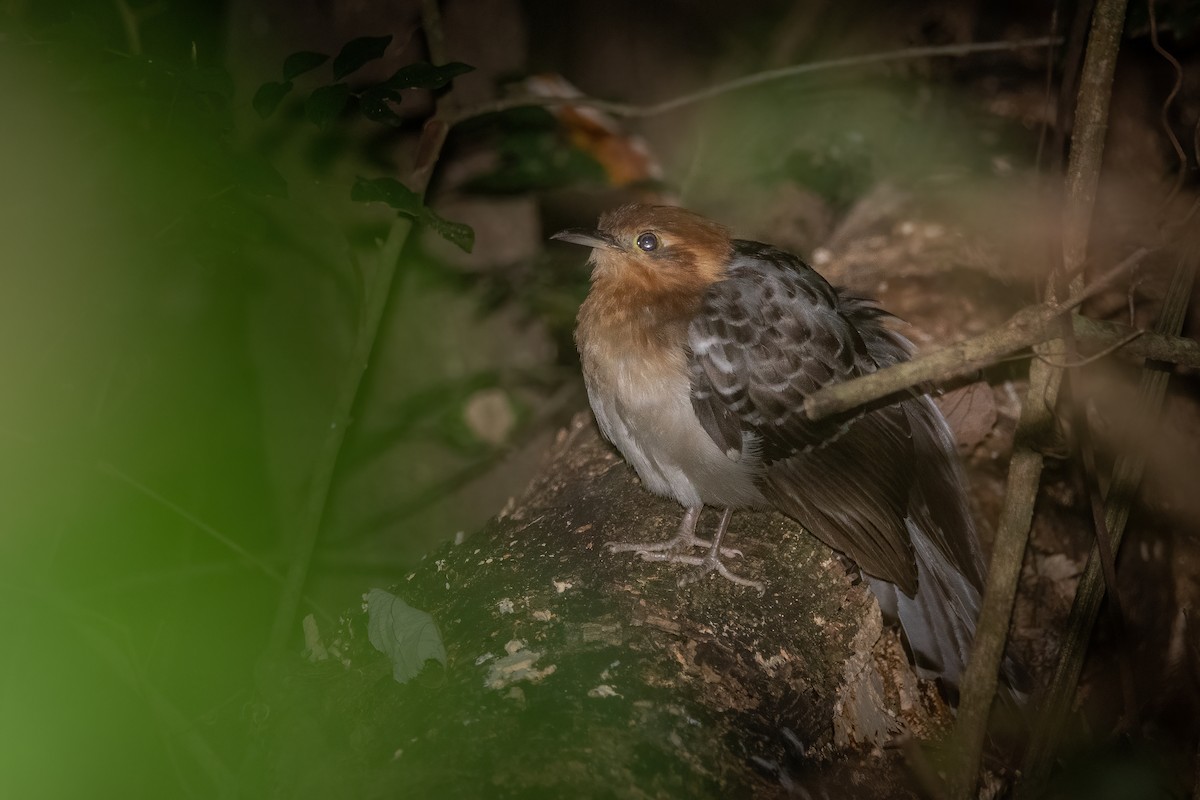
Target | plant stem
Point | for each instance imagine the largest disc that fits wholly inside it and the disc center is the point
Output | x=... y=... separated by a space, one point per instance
x=1056 y=703
x=429 y=148
x=1037 y=413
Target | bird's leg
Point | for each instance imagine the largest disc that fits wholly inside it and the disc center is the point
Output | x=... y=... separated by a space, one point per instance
x=685 y=537
x=709 y=563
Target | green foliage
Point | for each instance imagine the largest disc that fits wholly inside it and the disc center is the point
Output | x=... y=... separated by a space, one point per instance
x=840 y=172
x=356 y=53
x=175 y=317
x=269 y=96
x=325 y=104
x=376 y=104
x=408 y=203
x=458 y=234
x=299 y=63
x=390 y=191
x=130 y=266
x=534 y=156
x=423 y=75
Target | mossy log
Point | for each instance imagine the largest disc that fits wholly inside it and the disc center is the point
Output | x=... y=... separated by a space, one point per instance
x=571 y=671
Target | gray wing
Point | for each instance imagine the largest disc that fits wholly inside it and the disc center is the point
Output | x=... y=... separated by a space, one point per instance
x=770 y=334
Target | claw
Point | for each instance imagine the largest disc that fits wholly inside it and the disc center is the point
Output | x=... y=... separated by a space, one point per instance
x=707 y=564
x=674 y=543
x=685 y=538
x=719 y=566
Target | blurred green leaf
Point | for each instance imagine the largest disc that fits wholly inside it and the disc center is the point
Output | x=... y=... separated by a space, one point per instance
x=390 y=191
x=269 y=96
x=357 y=52
x=535 y=156
x=326 y=103
x=407 y=636
x=375 y=104
x=457 y=233
x=408 y=202
x=423 y=75
x=839 y=172
x=299 y=63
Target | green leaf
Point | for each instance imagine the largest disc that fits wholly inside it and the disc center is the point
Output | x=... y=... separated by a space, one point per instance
x=457 y=233
x=297 y=64
x=407 y=636
x=408 y=203
x=357 y=52
x=269 y=96
x=390 y=191
x=535 y=157
x=422 y=75
x=376 y=105
x=325 y=103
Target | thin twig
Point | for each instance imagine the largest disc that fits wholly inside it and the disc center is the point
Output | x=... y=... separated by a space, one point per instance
x=1117 y=338
x=313 y=515
x=1081 y=294
x=746 y=81
x=1100 y=534
x=1181 y=173
x=1150 y=345
x=1055 y=703
x=1047 y=92
x=1029 y=326
x=1074 y=361
x=978 y=687
x=117 y=474
x=321 y=482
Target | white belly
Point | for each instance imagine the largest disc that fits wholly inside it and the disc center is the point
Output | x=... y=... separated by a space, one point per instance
x=648 y=416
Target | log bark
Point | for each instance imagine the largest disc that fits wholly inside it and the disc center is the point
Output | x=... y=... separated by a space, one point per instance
x=571 y=671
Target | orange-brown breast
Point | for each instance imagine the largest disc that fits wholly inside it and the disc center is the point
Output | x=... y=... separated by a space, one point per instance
x=632 y=339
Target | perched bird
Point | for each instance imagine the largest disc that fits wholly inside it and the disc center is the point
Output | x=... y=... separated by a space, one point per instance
x=698 y=351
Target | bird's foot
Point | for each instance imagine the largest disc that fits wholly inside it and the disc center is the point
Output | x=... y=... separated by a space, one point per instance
x=707 y=563
x=680 y=541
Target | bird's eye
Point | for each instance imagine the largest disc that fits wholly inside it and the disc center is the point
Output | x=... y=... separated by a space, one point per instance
x=647 y=242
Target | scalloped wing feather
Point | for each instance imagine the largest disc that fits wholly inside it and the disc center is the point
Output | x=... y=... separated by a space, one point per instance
x=770 y=334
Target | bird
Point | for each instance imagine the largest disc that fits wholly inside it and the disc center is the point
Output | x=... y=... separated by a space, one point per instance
x=698 y=350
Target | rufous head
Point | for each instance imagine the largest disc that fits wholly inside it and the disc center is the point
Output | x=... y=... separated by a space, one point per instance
x=655 y=248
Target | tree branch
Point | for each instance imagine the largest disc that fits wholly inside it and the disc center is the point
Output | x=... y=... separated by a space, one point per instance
x=1029 y=326
x=1150 y=345
x=746 y=81
x=1037 y=412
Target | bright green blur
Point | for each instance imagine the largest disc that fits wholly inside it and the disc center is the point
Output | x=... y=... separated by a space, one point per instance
x=128 y=414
